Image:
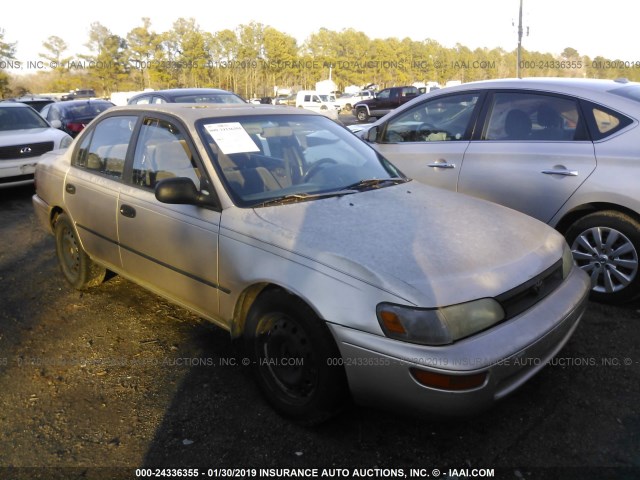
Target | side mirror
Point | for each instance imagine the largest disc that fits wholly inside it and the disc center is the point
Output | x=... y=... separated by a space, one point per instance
x=372 y=135
x=180 y=190
x=56 y=123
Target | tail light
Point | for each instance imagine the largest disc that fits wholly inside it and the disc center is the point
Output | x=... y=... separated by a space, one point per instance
x=75 y=127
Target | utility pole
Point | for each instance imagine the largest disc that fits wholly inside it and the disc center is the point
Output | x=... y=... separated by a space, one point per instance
x=519 y=42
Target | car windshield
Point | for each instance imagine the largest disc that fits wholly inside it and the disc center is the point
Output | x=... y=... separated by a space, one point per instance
x=20 y=118
x=208 y=98
x=268 y=159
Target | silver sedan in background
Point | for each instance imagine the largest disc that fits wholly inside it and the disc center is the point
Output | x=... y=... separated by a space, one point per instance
x=342 y=277
x=563 y=150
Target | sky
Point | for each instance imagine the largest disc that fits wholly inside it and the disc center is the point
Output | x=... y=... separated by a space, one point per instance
x=593 y=29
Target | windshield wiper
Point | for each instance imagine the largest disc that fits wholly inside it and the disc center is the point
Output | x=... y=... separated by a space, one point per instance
x=375 y=183
x=300 y=197
x=353 y=188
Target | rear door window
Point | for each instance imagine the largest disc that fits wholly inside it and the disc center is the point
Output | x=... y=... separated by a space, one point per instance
x=104 y=149
x=524 y=116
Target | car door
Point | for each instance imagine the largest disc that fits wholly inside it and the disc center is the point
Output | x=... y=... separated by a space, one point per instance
x=532 y=154
x=385 y=101
x=171 y=249
x=92 y=186
x=427 y=141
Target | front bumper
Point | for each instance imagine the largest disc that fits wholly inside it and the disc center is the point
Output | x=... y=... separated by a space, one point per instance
x=17 y=172
x=378 y=368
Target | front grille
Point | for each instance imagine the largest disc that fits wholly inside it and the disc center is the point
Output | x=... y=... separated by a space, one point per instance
x=525 y=296
x=25 y=150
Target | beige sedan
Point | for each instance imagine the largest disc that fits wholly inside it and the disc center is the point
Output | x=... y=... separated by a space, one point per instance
x=343 y=278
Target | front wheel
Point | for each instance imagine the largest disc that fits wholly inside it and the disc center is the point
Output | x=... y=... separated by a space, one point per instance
x=362 y=115
x=295 y=359
x=79 y=270
x=606 y=245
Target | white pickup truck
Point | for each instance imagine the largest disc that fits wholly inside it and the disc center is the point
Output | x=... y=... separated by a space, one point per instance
x=348 y=100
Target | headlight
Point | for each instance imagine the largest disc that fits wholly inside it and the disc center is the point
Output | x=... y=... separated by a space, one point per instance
x=66 y=141
x=567 y=261
x=440 y=326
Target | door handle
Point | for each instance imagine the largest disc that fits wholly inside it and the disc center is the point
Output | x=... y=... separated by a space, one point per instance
x=565 y=173
x=442 y=164
x=70 y=188
x=127 y=211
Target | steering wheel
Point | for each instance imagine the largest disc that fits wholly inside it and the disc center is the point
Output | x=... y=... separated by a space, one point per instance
x=424 y=130
x=317 y=166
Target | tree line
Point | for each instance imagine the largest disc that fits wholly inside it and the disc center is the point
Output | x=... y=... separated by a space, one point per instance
x=254 y=59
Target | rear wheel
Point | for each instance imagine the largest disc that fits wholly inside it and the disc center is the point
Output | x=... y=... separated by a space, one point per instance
x=79 y=270
x=294 y=357
x=606 y=246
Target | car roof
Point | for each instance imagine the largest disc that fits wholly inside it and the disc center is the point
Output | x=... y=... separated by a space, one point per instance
x=82 y=101
x=196 y=111
x=601 y=91
x=576 y=86
x=13 y=104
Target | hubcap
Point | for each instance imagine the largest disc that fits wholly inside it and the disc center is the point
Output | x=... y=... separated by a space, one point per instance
x=608 y=256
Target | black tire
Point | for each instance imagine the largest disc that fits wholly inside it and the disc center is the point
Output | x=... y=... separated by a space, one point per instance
x=606 y=245
x=294 y=357
x=362 y=115
x=79 y=270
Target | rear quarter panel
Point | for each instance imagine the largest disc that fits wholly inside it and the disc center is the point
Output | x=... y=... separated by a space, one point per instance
x=50 y=174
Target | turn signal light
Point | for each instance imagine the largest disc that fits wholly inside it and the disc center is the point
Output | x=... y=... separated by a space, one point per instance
x=443 y=381
x=392 y=322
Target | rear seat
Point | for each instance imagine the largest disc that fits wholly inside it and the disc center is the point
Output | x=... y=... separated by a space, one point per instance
x=112 y=159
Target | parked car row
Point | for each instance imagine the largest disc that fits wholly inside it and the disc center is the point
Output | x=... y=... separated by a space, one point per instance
x=450 y=304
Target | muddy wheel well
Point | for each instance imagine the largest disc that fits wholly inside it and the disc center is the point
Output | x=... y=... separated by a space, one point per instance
x=575 y=215
x=246 y=300
x=55 y=213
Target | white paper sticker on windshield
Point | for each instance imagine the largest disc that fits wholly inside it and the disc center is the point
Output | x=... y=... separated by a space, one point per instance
x=231 y=138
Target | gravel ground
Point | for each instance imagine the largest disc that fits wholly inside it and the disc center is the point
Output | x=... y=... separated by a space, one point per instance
x=101 y=383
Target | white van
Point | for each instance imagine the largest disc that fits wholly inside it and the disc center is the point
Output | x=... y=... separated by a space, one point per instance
x=310 y=99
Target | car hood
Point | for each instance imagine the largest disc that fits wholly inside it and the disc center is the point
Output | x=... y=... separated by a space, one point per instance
x=428 y=246
x=30 y=135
